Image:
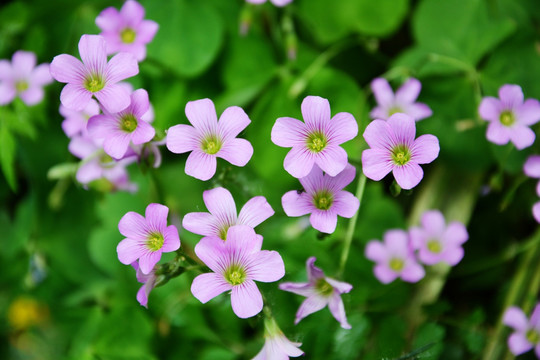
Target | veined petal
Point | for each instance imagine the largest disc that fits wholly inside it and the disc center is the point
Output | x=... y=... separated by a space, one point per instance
x=378 y=135
x=408 y=176
x=376 y=163
x=202 y=115
x=408 y=92
x=133 y=225
x=288 y=132
x=233 y=120
x=324 y=221
x=113 y=97
x=255 y=211
x=139 y=103
x=143 y=133
x=200 y=165
x=312 y=304
x=182 y=138
x=341 y=180
x=116 y=144
x=243 y=240
x=171 y=239
x=148 y=260
x=208 y=286
x=403 y=128
x=220 y=203
x=156 y=217
x=212 y=251
x=246 y=299
x=130 y=250
x=341 y=128
x=382 y=91
x=299 y=162
x=201 y=223
x=122 y=66
x=267 y=266
x=314 y=273
x=316 y=112
x=425 y=149
x=236 y=151
x=304 y=289
x=345 y=204
x=332 y=160
x=75 y=97
x=314 y=181
x=93 y=53
x=295 y=204
x=337 y=309
x=67 y=69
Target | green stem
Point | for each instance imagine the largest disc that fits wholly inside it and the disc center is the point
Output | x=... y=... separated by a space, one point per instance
x=352 y=224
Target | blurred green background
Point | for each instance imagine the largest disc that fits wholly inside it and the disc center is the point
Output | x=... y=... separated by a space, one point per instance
x=64 y=294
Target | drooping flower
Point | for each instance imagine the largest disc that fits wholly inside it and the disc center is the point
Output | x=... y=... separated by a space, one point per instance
x=276 y=345
x=22 y=78
x=126 y=30
x=236 y=264
x=531 y=168
x=222 y=214
x=437 y=242
x=394 y=258
x=393 y=147
x=209 y=139
x=320 y=292
x=94 y=76
x=148 y=281
x=316 y=140
x=75 y=121
x=403 y=101
x=527 y=331
x=323 y=198
x=121 y=128
x=275 y=2
x=509 y=117
x=146 y=237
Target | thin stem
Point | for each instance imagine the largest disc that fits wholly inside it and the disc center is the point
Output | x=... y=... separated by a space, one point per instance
x=352 y=224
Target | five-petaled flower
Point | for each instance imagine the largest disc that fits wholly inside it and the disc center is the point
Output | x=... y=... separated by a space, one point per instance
x=394 y=258
x=94 y=76
x=437 y=242
x=121 y=128
x=236 y=264
x=126 y=30
x=510 y=117
x=320 y=292
x=276 y=344
x=222 y=214
x=146 y=237
x=323 y=198
x=527 y=331
x=208 y=139
x=393 y=147
x=21 y=77
x=315 y=141
x=404 y=101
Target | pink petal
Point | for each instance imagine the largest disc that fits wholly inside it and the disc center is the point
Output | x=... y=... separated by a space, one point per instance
x=108 y=19
x=490 y=109
x=384 y=274
x=75 y=97
x=147 y=30
x=314 y=273
x=324 y=221
x=130 y=250
x=236 y=151
x=304 y=289
x=267 y=266
x=433 y=223
x=339 y=286
x=116 y=144
x=246 y=299
x=511 y=96
x=7 y=93
x=207 y=286
x=521 y=136
x=528 y=113
x=200 y=165
x=376 y=251
x=156 y=217
x=41 y=75
x=342 y=179
x=316 y=112
x=315 y=180
x=132 y=11
x=93 y=53
x=89 y=171
x=201 y=223
x=341 y=128
x=283 y=3
x=182 y=138
x=497 y=133
x=295 y=204
x=6 y=71
x=532 y=166
x=345 y=204
x=32 y=96
x=338 y=310
x=519 y=344
x=408 y=92
x=536 y=212
x=23 y=62
x=403 y=128
x=382 y=91
x=516 y=319
x=332 y=160
x=242 y=239
x=142 y=296
x=133 y=225
x=101 y=126
x=148 y=260
x=413 y=272
x=113 y=97
x=418 y=111
x=220 y=203
x=397 y=242
x=143 y=133
x=81 y=147
x=453 y=256
x=139 y=103
x=212 y=251
x=408 y=176
x=233 y=120
x=255 y=211
x=299 y=162
x=122 y=66
x=312 y=304
x=455 y=234
x=425 y=149
x=378 y=135
x=379 y=113
x=202 y=115
x=171 y=239
x=289 y=132
x=376 y=163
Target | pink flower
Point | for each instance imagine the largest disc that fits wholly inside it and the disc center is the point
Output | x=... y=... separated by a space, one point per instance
x=527 y=331
x=394 y=258
x=209 y=139
x=323 y=198
x=320 y=292
x=236 y=264
x=393 y=147
x=94 y=76
x=75 y=121
x=148 y=281
x=315 y=141
x=532 y=169
x=437 y=242
x=510 y=117
x=22 y=78
x=126 y=30
x=222 y=214
x=146 y=237
x=121 y=128
x=276 y=345
x=275 y=2
x=404 y=101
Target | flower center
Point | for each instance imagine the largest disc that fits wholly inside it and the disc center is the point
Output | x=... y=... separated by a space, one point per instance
x=128 y=123
x=223 y=232
x=396 y=264
x=155 y=241
x=323 y=287
x=94 y=83
x=533 y=336
x=434 y=246
x=128 y=35
x=105 y=159
x=507 y=118
x=316 y=142
x=393 y=110
x=211 y=145
x=401 y=155
x=235 y=274
x=323 y=200
x=21 y=86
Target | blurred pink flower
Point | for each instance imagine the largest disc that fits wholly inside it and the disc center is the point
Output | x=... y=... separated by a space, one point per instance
x=527 y=331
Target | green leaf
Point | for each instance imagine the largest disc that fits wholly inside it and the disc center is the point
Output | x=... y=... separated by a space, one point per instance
x=189 y=37
x=430 y=333
x=7 y=155
x=380 y=18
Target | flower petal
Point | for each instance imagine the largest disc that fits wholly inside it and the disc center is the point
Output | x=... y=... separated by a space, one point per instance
x=92 y=49
x=32 y=96
x=382 y=91
x=148 y=260
x=384 y=274
x=299 y=162
x=519 y=344
x=312 y=304
x=201 y=165
x=376 y=251
x=341 y=180
x=202 y=115
x=182 y=138
x=246 y=299
x=113 y=97
x=255 y=211
x=243 y=240
x=212 y=251
x=122 y=66
x=233 y=120
x=408 y=92
x=314 y=181
x=116 y=144
x=332 y=160
x=418 y=111
x=345 y=204
x=425 y=149
x=295 y=204
x=324 y=221
x=130 y=250
x=516 y=319
x=378 y=135
x=413 y=272
x=41 y=75
x=133 y=225
x=490 y=109
x=289 y=132
x=108 y=19
x=433 y=223
x=23 y=62
x=341 y=128
x=67 y=69
x=147 y=31
x=498 y=133
x=156 y=217
x=528 y=113
x=7 y=93
x=132 y=11
x=376 y=163
x=75 y=97
x=201 y=223
x=267 y=266
x=337 y=309
x=171 y=239
x=207 y=286
x=522 y=136
x=403 y=128
x=143 y=133
x=304 y=289
x=511 y=96
x=220 y=203
x=408 y=176
x=236 y=151
x=316 y=112
x=532 y=166
x=314 y=273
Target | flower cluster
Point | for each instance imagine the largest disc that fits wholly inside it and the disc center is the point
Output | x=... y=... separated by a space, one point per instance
x=432 y=243
x=527 y=331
